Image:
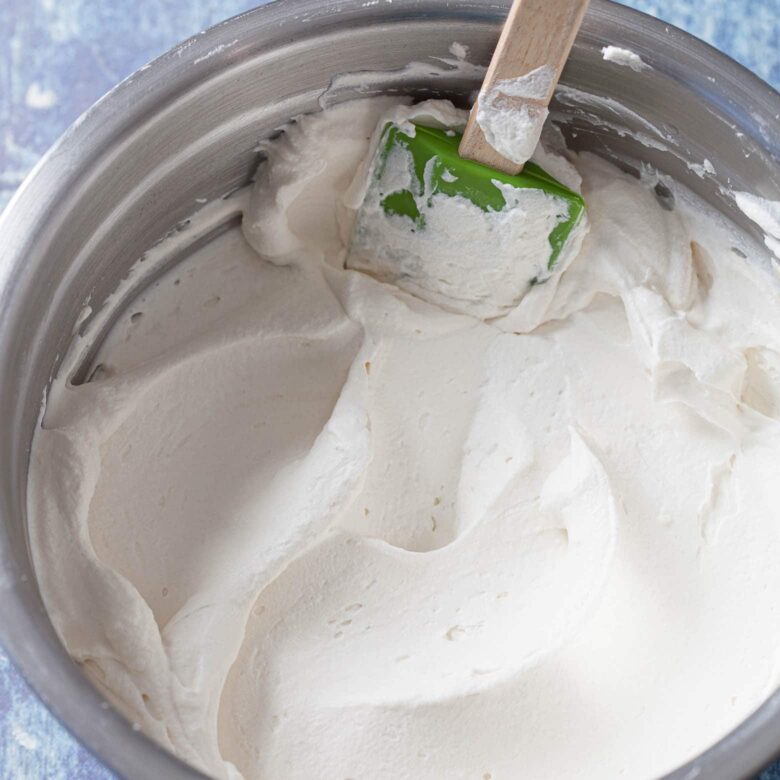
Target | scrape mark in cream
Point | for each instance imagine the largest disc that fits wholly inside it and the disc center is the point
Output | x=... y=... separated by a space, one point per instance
x=216 y=50
x=766 y=214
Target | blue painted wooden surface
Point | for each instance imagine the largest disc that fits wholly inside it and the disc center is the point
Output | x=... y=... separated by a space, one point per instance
x=56 y=58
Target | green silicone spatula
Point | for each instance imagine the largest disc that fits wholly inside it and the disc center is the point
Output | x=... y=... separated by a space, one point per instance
x=435 y=153
x=487 y=164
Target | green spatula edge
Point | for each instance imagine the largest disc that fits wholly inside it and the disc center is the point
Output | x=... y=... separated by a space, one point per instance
x=467 y=178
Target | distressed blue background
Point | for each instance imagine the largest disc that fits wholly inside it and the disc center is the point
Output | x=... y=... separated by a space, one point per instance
x=57 y=57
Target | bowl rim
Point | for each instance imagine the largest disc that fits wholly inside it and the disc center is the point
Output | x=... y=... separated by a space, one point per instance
x=42 y=661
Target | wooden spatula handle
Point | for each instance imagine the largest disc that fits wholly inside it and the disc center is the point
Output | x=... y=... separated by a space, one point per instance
x=536 y=33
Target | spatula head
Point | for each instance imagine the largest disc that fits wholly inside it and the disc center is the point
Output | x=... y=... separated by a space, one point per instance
x=438 y=168
x=458 y=233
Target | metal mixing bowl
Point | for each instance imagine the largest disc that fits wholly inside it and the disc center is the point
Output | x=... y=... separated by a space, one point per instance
x=187 y=126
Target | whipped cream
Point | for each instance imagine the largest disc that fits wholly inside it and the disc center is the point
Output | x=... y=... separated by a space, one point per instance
x=624 y=57
x=302 y=523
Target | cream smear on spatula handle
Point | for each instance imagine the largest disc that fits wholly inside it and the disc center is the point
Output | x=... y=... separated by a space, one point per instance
x=507 y=118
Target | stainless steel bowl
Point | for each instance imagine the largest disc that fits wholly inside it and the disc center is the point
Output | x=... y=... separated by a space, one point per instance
x=129 y=171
